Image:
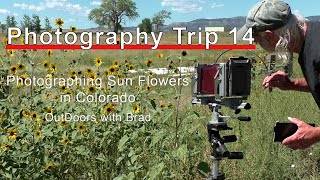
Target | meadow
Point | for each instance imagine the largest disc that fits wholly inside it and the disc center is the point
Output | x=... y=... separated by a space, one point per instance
x=173 y=145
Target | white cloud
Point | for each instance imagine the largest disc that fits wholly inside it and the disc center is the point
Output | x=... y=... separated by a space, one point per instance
x=184 y=6
x=53 y=4
x=217 y=5
x=96 y=3
x=4 y=11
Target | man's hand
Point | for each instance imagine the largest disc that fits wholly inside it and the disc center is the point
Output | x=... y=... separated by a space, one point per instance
x=305 y=136
x=280 y=80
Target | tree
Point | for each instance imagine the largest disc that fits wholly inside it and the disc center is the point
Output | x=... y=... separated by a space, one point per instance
x=26 y=22
x=146 y=25
x=47 y=27
x=160 y=17
x=36 y=23
x=112 y=13
x=2 y=27
x=11 y=21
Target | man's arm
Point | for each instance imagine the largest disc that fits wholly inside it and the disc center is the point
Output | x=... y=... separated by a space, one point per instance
x=282 y=81
x=300 y=85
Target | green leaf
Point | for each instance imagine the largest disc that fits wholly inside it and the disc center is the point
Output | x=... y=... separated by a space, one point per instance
x=122 y=142
x=154 y=105
x=156 y=171
x=203 y=168
x=101 y=157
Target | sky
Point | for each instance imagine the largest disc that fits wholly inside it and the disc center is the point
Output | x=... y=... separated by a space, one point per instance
x=75 y=12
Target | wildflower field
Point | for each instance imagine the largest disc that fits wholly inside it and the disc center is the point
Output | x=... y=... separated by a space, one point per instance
x=172 y=144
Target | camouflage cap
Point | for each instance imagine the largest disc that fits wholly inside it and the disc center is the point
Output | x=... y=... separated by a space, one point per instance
x=266 y=15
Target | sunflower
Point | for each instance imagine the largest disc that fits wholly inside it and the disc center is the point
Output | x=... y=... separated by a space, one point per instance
x=63 y=122
x=11 y=53
x=65 y=141
x=13 y=70
x=25 y=113
x=120 y=75
x=91 y=89
x=98 y=61
x=162 y=104
x=150 y=73
x=45 y=64
x=73 y=29
x=49 y=109
x=184 y=53
x=47 y=95
x=50 y=75
x=92 y=76
x=81 y=127
x=53 y=68
x=69 y=92
x=5 y=41
x=63 y=88
x=49 y=166
x=170 y=66
x=88 y=70
x=37 y=133
x=135 y=108
x=73 y=73
x=149 y=88
x=49 y=53
x=5 y=146
x=131 y=67
x=79 y=73
x=109 y=108
x=12 y=134
x=160 y=55
x=21 y=67
x=111 y=69
x=116 y=63
x=170 y=105
x=34 y=115
x=176 y=71
x=59 y=22
x=148 y=62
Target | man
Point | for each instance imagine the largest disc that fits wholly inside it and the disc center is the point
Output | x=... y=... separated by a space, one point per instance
x=276 y=29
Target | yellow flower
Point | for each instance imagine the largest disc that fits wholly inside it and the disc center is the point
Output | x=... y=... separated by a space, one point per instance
x=34 y=115
x=63 y=122
x=45 y=64
x=63 y=88
x=12 y=134
x=92 y=76
x=68 y=92
x=109 y=108
x=52 y=68
x=5 y=146
x=47 y=95
x=65 y=141
x=176 y=71
x=73 y=29
x=49 y=166
x=148 y=62
x=50 y=53
x=150 y=73
x=49 y=109
x=59 y=22
x=88 y=70
x=13 y=70
x=149 y=88
x=73 y=73
x=11 y=53
x=98 y=61
x=37 y=133
x=162 y=104
x=116 y=63
x=5 y=41
x=135 y=108
x=25 y=113
x=49 y=75
x=21 y=67
x=160 y=55
x=81 y=127
x=91 y=89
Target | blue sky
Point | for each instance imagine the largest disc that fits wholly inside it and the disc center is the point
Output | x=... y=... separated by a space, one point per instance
x=74 y=12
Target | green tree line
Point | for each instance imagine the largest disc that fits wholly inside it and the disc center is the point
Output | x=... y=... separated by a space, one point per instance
x=33 y=23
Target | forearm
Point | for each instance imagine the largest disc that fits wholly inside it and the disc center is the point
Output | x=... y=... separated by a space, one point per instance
x=300 y=85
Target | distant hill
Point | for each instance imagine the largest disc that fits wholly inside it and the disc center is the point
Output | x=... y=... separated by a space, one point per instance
x=194 y=25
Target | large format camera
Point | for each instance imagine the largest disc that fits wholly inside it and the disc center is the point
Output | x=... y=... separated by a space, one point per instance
x=222 y=83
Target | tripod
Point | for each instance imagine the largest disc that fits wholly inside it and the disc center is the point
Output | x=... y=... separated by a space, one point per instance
x=219 y=150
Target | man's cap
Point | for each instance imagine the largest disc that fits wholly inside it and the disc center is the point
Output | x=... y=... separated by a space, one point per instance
x=266 y=15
